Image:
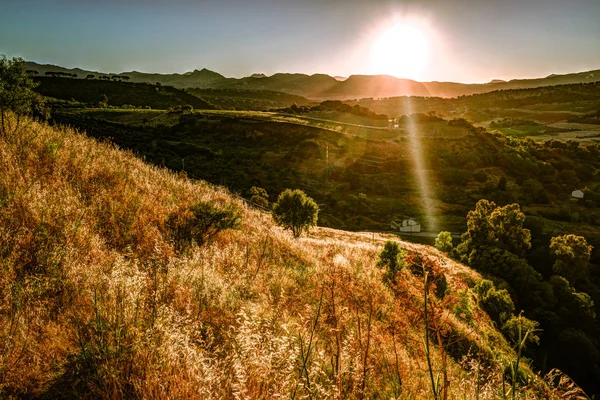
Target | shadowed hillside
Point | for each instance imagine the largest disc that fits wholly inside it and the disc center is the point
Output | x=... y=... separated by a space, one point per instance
x=103 y=294
x=92 y=92
x=242 y=99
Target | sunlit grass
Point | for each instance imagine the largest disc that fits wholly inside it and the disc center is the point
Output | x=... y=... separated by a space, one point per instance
x=97 y=302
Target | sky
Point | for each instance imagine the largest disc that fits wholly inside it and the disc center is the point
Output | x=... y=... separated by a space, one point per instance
x=458 y=40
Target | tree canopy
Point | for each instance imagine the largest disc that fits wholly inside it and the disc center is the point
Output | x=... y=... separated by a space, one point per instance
x=296 y=211
x=16 y=92
x=502 y=227
x=572 y=256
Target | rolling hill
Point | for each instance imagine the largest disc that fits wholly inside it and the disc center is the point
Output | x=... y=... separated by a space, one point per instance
x=359 y=86
x=246 y=99
x=104 y=296
x=91 y=91
x=321 y=86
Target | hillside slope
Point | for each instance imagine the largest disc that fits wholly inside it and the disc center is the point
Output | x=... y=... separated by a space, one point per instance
x=242 y=99
x=118 y=93
x=102 y=296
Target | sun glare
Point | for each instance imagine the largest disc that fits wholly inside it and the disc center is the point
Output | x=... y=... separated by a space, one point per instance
x=402 y=51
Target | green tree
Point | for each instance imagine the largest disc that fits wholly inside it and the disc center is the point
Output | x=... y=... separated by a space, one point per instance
x=502 y=227
x=16 y=93
x=507 y=226
x=296 y=211
x=572 y=254
x=479 y=231
x=443 y=242
x=259 y=196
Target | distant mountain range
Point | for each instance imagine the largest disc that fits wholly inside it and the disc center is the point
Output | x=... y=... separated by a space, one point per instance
x=325 y=87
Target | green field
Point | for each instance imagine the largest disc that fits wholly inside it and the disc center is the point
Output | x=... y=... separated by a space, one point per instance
x=553 y=107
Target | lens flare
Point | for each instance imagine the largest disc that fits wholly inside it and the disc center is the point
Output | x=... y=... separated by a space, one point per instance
x=421 y=174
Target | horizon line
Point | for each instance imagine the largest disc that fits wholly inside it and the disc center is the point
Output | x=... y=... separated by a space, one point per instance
x=311 y=74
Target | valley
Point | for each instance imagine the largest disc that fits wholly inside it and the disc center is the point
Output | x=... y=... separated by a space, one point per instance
x=114 y=188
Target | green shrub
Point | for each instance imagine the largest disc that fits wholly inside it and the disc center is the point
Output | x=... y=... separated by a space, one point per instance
x=462 y=308
x=441 y=283
x=497 y=303
x=392 y=259
x=258 y=196
x=443 y=242
x=296 y=211
x=199 y=223
x=519 y=328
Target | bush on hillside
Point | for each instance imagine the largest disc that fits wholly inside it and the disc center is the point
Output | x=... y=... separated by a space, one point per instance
x=497 y=303
x=392 y=259
x=200 y=222
x=521 y=331
x=259 y=196
x=420 y=266
x=443 y=242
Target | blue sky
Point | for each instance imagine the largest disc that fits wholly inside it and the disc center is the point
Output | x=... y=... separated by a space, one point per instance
x=470 y=41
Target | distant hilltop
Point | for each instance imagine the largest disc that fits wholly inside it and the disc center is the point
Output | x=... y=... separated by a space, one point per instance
x=326 y=87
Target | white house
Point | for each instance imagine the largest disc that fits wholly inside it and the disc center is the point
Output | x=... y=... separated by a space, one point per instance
x=577 y=193
x=407 y=225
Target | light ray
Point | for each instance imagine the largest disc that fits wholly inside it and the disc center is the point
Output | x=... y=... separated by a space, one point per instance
x=420 y=171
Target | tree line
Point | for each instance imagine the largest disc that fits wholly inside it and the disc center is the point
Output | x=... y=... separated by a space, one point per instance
x=59 y=74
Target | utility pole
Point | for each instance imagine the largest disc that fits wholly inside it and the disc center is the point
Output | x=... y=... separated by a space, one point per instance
x=327 y=161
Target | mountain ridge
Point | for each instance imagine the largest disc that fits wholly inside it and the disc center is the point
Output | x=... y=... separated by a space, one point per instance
x=325 y=87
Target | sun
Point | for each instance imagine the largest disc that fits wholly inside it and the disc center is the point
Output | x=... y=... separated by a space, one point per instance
x=402 y=51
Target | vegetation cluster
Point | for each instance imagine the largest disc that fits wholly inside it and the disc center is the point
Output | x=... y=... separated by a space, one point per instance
x=132 y=281
x=120 y=280
x=80 y=93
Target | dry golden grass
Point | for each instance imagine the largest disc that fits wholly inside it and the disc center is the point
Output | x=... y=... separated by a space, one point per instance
x=96 y=301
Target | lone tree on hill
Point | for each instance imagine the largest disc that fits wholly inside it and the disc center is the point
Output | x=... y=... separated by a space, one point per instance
x=296 y=211
x=16 y=92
